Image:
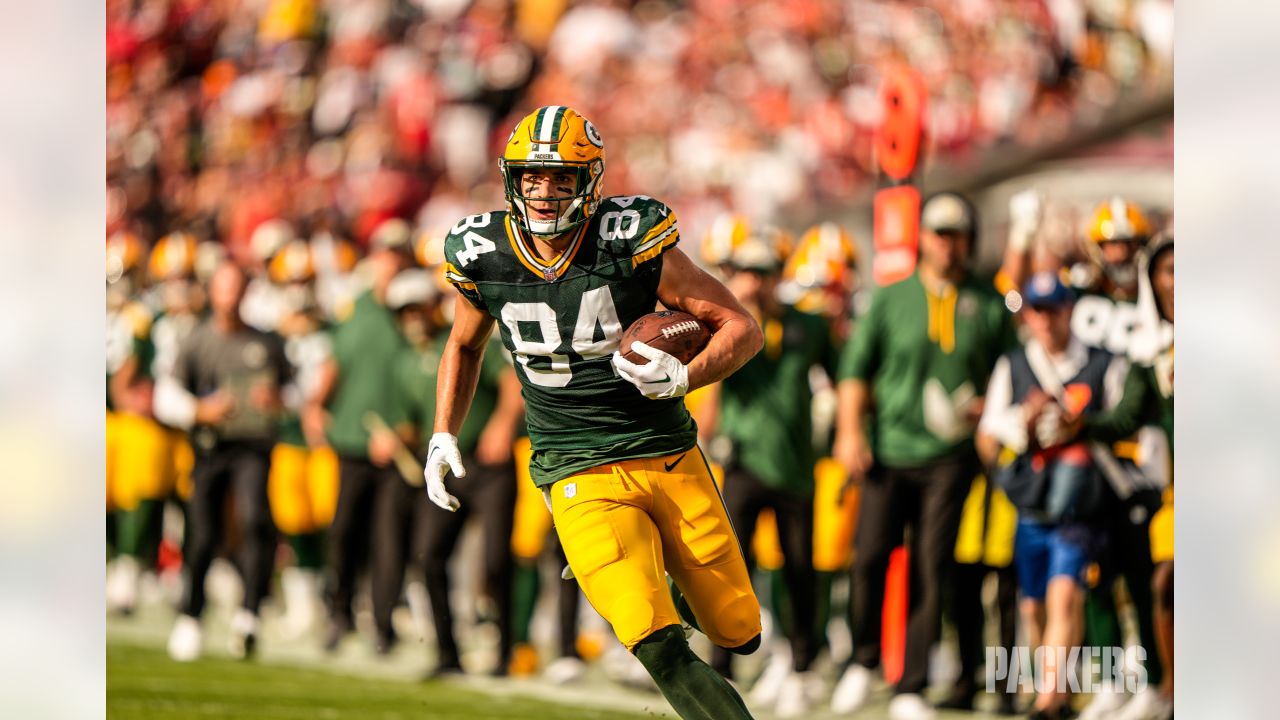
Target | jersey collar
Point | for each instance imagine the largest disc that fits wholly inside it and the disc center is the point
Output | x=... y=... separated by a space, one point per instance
x=529 y=258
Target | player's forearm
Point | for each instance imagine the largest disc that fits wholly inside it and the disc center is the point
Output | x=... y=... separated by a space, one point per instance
x=732 y=344
x=851 y=406
x=456 y=385
x=326 y=378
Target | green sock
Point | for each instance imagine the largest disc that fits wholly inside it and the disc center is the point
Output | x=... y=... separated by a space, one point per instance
x=682 y=606
x=1101 y=621
x=524 y=598
x=780 y=601
x=139 y=531
x=309 y=550
x=695 y=691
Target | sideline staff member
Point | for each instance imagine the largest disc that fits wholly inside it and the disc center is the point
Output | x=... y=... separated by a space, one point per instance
x=225 y=388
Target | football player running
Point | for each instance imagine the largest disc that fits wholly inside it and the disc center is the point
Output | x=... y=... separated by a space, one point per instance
x=566 y=270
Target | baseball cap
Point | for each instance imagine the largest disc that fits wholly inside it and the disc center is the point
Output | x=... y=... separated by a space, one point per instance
x=392 y=234
x=1046 y=289
x=947 y=212
x=410 y=287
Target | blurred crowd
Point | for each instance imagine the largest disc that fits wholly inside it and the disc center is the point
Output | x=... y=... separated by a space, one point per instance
x=283 y=172
x=337 y=114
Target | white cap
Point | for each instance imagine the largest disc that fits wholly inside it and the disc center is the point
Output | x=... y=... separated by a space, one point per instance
x=269 y=237
x=411 y=287
x=392 y=234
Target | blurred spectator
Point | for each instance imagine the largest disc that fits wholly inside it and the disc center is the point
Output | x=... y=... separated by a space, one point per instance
x=1056 y=489
x=234 y=113
x=923 y=351
x=374 y=510
x=225 y=389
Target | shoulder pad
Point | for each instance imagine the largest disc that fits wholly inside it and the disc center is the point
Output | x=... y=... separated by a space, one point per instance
x=640 y=225
x=472 y=240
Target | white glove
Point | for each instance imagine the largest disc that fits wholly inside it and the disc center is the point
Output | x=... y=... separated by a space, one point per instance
x=1050 y=429
x=1026 y=211
x=443 y=456
x=662 y=377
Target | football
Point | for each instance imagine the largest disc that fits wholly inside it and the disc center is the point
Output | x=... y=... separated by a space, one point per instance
x=677 y=333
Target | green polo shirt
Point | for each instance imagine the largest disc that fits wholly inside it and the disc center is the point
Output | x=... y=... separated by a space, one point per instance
x=909 y=346
x=366 y=347
x=765 y=407
x=416 y=374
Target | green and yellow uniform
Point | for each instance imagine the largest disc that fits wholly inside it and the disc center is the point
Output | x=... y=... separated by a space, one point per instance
x=625 y=477
x=765 y=407
x=303 y=484
x=562 y=333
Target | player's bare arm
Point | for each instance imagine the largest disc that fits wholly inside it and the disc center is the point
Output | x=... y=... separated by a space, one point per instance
x=735 y=335
x=460 y=366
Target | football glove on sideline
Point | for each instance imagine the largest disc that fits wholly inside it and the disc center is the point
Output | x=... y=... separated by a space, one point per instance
x=662 y=377
x=443 y=456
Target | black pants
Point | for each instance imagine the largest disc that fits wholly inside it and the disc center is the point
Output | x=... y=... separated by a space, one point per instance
x=965 y=608
x=1127 y=554
x=929 y=500
x=241 y=469
x=490 y=491
x=371 y=524
x=745 y=495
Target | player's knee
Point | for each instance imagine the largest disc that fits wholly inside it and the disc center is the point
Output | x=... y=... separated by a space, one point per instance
x=737 y=625
x=748 y=647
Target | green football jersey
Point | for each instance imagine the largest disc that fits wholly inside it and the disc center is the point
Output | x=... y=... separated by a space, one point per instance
x=562 y=322
x=766 y=406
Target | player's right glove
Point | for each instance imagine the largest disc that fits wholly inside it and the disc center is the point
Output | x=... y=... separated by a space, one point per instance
x=443 y=456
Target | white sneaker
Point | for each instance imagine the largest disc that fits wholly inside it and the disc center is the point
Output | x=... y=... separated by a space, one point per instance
x=793 y=696
x=910 y=706
x=565 y=670
x=122 y=584
x=1108 y=699
x=852 y=690
x=301 y=591
x=185 y=639
x=244 y=634
x=1147 y=704
x=766 y=688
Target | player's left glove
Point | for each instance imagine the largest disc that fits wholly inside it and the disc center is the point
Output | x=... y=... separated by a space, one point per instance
x=662 y=377
x=443 y=456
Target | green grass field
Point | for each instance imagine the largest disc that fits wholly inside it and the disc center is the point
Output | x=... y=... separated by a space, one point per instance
x=144 y=684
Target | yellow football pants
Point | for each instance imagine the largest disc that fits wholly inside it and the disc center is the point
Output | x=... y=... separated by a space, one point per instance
x=1162 y=530
x=302 y=488
x=626 y=525
x=986 y=532
x=532 y=521
x=834 y=522
x=140 y=453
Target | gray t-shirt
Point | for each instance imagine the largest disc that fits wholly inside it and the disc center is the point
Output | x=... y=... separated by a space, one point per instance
x=209 y=360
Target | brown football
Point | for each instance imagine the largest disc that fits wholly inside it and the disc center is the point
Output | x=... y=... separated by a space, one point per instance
x=671 y=331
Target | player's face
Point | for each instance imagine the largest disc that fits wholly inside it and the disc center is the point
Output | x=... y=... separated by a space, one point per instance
x=1050 y=325
x=751 y=287
x=1119 y=252
x=552 y=187
x=944 y=252
x=1162 y=283
x=226 y=289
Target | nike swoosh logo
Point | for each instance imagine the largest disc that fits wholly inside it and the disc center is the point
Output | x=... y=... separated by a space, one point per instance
x=674 y=463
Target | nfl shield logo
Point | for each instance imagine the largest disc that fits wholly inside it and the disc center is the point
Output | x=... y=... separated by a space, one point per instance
x=570 y=490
